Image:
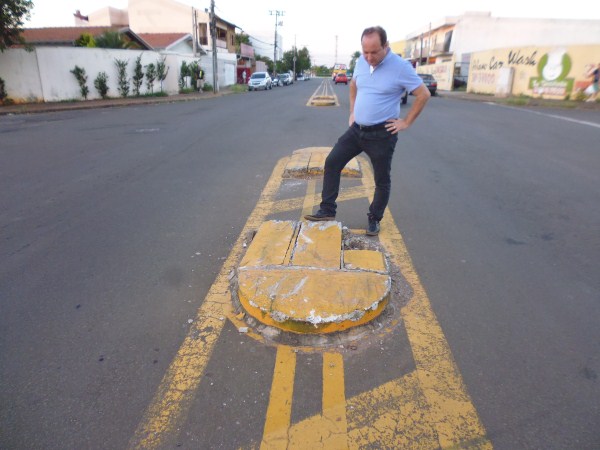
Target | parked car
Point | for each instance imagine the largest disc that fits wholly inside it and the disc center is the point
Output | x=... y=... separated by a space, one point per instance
x=430 y=82
x=404 y=98
x=341 y=78
x=300 y=77
x=260 y=80
x=276 y=81
x=285 y=79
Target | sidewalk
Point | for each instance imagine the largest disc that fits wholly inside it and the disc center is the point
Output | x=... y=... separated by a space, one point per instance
x=30 y=108
x=521 y=101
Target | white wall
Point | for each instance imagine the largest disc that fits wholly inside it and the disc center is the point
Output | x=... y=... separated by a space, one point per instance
x=44 y=74
x=19 y=70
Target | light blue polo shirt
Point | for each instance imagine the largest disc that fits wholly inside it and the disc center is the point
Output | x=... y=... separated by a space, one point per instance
x=378 y=95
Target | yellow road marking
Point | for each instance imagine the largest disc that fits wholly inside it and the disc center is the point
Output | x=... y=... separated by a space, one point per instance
x=307 y=205
x=450 y=407
x=334 y=425
x=279 y=412
x=309 y=199
x=430 y=405
x=178 y=387
x=323 y=91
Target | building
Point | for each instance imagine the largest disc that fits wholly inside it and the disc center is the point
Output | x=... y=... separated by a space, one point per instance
x=455 y=39
x=166 y=17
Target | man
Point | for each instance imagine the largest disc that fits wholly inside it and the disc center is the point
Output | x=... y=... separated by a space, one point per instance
x=595 y=74
x=380 y=78
x=200 y=80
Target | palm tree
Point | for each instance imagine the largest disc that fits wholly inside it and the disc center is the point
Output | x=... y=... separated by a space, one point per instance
x=355 y=57
x=112 y=39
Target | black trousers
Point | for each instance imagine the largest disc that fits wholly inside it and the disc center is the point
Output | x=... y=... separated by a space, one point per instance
x=379 y=145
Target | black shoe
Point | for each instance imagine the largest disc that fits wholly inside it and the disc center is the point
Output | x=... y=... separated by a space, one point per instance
x=373 y=228
x=319 y=216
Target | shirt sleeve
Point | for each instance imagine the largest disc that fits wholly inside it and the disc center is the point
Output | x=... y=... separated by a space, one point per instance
x=408 y=76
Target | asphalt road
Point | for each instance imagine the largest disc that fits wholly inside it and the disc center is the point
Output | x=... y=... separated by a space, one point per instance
x=115 y=222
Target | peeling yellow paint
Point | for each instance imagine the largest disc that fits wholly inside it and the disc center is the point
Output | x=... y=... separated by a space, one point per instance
x=270 y=245
x=428 y=408
x=279 y=411
x=364 y=259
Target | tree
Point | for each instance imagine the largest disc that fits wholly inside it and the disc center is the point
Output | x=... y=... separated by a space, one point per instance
x=13 y=14
x=322 y=71
x=241 y=38
x=112 y=39
x=85 y=40
x=355 y=57
x=302 y=60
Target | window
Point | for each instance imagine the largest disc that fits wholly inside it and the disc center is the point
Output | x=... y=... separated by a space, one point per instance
x=203 y=33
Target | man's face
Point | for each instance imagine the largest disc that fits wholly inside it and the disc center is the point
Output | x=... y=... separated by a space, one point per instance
x=372 y=49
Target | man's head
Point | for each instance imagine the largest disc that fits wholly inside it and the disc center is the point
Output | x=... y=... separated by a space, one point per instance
x=374 y=45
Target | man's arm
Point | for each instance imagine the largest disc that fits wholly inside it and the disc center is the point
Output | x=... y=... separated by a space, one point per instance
x=353 y=90
x=421 y=97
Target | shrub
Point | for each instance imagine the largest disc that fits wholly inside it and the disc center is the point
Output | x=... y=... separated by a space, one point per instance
x=193 y=71
x=161 y=72
x=101 y=84
x=3 y=93
x=122 y=80
x=184 y=71
x=85 y=40
x=150 y=76
x=138 y=76
x=81 y=77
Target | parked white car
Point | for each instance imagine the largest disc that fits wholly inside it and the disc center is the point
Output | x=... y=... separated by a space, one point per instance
x=259 y=80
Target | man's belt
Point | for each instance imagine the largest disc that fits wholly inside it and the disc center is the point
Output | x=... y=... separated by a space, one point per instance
x=377 y=126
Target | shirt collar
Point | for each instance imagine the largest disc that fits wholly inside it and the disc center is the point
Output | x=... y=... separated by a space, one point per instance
x=372 y=68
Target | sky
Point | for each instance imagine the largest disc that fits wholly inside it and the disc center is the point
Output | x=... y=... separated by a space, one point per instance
x=331 y=30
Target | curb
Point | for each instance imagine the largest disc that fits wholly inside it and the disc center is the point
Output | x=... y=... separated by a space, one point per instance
x=42 y=107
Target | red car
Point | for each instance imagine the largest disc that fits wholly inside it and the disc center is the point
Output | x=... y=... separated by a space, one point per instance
x=341 y=78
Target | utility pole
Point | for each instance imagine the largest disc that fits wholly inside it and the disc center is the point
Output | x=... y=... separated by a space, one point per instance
x=276 y=13
x=195 y=30
x=295 y=58
x=429 y=46
x=213 y=34
x=336 y=42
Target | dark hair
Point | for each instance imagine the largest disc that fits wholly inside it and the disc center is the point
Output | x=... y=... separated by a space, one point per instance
x=380 y=31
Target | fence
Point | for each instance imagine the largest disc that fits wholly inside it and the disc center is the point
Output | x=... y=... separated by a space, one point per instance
x=44 y=74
